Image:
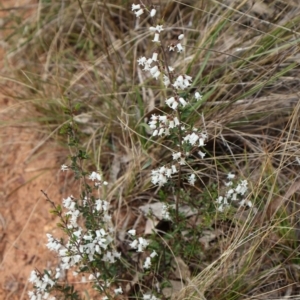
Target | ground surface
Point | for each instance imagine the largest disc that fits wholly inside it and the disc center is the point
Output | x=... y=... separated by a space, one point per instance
x=24 y=213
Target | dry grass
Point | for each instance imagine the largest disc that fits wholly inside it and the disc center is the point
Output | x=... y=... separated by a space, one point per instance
x=243 y=57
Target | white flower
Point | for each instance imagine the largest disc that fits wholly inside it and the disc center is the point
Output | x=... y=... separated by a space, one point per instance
x=176 y=155
x=230 y=176
x=153 y=70
x=135 y=7
x=153 y=254
x=192 y=179
x=229 y=192
x=220 y=199
x=174 y=170
x=187 y=77
x=58 y=273
x=158 y=178
x=174 y=105
x=242 y=187
x=148 y=64
x=142 y=60
x=134 y=244
x=116 y=254
x=88 y=237
x=192 y=138
x=139 y=13
x=221 y=208
x=181 y=36
x=182 y=161
x=163 y=118
x=166 y=81
x=147 y=263
x=182 y=101
x=64 y=168
x=156 y=38
x=157 y=28
x=52 y=245
x=33 y=277
x=198 y=96
x=171 y=124
x=118 y=291
x=179 y=47
x=155 y=132
x=95 y=176
x=170 y=101
x=245 y=202
x=168 y=172
x=165 y=213
x=249 y=203
x=182 y=82
x=152 y=12
x=171 y=47
x=161 y=131
x=143 y=242
x=132 y=232
x=69 y=203
x=156 y=74
x=98 y=205
x=152 y=124
x=91 y=277
x=154 y=56
x=202 y=154
x=201 y=142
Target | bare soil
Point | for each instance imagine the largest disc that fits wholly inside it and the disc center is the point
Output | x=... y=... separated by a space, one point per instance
x=24 y=212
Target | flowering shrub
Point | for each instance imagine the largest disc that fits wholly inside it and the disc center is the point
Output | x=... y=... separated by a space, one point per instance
x=233 y=194
x=91 y=247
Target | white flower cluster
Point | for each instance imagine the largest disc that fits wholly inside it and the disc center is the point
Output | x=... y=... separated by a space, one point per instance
x=192 y=179
x=73 y=211
x=198 y=96
x=147 y=263
x=160 y=176
x=94 y=176
x=182 y=82
x=138 y=10
x=82 y=245
x=195 y=137
x=233 y=194
x=173 y=102
x=141 y=244
x=165 y=212
x=42 y=284
x=162 y=124
x=180 y=157
x=152 y=65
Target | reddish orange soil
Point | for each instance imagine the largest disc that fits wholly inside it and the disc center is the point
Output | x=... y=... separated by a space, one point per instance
x=24 y=213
